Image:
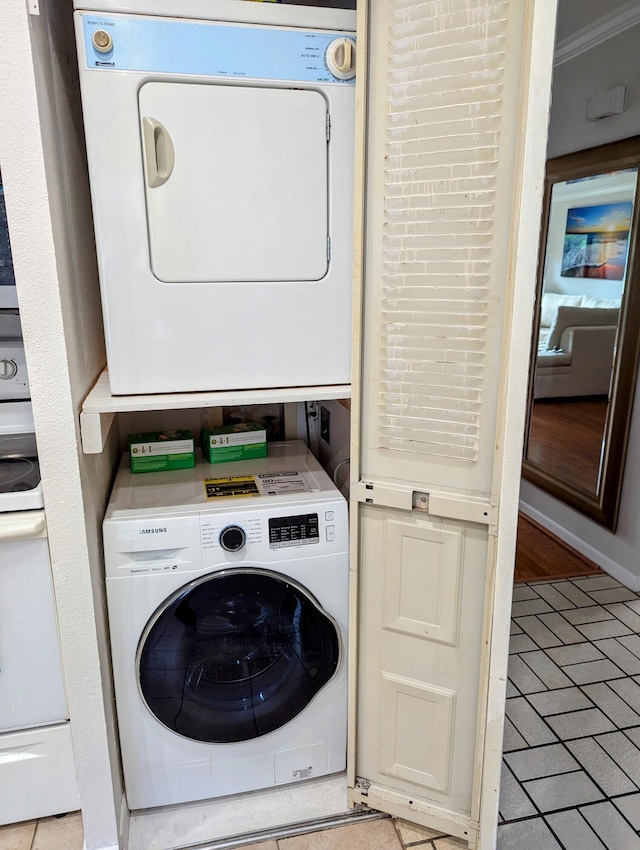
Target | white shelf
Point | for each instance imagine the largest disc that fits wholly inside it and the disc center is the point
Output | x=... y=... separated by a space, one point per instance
x=100 y=406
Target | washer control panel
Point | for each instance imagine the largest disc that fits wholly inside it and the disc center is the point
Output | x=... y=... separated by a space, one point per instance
x=299 y=530
x=264 y=534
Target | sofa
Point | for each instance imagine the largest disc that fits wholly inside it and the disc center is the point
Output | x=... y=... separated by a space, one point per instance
x=576 y=345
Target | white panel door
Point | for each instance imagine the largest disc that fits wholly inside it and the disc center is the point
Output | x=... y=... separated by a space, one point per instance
x=235 y=182
x=450 y=182
x=420 y=622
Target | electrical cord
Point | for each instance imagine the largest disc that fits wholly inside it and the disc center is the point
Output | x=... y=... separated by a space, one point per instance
x=306 y=419
x=337 y=469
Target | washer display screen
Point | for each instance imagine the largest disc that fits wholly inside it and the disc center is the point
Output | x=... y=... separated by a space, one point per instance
x=235 y=656
x=293 y=531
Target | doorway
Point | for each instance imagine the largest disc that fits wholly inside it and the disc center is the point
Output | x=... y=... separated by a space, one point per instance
x=566 y=435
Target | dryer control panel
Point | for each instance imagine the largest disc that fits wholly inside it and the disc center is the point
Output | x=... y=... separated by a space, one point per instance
x=203 y=48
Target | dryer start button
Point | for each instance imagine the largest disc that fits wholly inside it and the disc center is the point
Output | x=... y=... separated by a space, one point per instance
x=232 y=538
x=102 y=41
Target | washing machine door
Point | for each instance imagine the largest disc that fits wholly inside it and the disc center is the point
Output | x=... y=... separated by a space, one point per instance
x=236 y=655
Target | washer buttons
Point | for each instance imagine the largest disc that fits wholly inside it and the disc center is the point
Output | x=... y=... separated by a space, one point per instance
x=331 y=533
x=328 y=515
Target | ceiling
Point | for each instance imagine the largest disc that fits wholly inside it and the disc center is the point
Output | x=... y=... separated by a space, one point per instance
x=574 y=15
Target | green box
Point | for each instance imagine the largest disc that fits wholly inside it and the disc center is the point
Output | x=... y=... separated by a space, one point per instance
x=159 y=451
x=243 y=441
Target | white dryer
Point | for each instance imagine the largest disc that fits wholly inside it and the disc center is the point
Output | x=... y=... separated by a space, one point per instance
x=227 y=589
x=220 y=147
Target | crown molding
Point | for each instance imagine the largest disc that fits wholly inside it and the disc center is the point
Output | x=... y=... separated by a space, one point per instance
x=600 y=30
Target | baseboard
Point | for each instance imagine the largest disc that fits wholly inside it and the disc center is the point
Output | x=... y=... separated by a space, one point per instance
x=610 y=566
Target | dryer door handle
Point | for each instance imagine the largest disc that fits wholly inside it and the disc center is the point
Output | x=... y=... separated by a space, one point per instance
x=158 y=152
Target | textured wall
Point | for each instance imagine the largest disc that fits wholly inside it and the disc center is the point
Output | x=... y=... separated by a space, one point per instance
x=52 y=240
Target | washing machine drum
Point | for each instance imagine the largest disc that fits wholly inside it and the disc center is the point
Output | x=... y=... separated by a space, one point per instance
x=236 y=655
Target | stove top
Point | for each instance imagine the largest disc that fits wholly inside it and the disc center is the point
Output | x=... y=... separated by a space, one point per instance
x=20 y=486
x=19 y=468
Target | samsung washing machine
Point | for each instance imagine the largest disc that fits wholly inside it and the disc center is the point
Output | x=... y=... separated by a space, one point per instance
x=227 y=589
x=220 y=143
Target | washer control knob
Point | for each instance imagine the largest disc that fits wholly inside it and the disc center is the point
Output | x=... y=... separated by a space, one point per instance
x=341 y=58
x=8 y=369
x=102 y=41
x=232 y=538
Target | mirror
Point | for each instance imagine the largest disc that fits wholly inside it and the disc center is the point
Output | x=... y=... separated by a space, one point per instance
x=585 y=335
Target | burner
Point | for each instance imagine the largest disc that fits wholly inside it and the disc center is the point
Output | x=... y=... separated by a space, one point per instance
x=20 y=487
x=18 y=473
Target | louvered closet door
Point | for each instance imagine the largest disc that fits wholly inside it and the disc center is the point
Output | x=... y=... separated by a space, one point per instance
x=441 y=193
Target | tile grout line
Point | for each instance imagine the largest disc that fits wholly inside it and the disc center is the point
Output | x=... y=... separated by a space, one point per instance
x=582 y=769
x=561 y=843
x=608 y=800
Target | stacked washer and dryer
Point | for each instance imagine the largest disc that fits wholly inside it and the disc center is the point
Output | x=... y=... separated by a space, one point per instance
x=220 y=150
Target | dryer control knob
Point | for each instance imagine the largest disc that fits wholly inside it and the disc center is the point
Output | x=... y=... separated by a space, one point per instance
x=8 y=369
x=102 y=41
x=232 y=538
x=341 y=58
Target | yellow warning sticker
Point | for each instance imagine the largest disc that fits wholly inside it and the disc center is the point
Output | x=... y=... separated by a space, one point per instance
x=233 y=486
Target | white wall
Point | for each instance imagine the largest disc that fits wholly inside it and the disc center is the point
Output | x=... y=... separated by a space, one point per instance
x=615 y=62
x=332 y=452
x=612 y=63
x=41 y=152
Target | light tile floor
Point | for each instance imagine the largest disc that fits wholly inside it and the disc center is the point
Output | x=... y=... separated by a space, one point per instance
x=66 y=834
x=63 y=833
x=571 y=775
x=387 y=834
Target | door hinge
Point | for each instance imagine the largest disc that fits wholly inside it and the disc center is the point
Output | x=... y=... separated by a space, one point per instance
x=328 y=249
x=328 y=126
x=33 y=7
x=362 y=785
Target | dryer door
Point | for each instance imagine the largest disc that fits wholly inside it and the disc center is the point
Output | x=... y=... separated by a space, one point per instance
x=236 y=655
x=235 y=181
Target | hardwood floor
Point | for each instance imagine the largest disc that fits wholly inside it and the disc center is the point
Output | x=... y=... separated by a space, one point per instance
x=540 y=555
x=566 y=439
